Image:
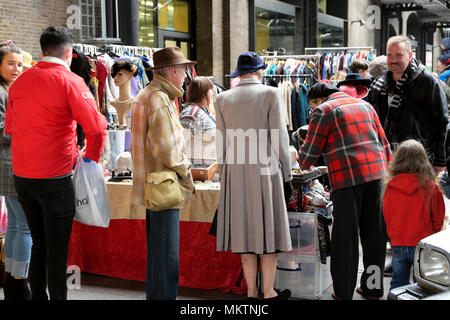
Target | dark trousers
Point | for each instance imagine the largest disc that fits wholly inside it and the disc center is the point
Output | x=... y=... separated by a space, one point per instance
x=49 y=205
x=163 y=237
x=358 y=210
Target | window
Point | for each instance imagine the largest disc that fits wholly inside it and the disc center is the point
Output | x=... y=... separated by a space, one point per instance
x=322 y=5
x=173 y=15
x=161 y=20
x=275 y=27
x=99 y=20
x=147 y=36
x=331 y=31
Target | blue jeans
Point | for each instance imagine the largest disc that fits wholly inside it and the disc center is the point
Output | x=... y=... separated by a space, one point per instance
x=163 y=234
x=445 y=184
x=402 y=261
x=18 y=239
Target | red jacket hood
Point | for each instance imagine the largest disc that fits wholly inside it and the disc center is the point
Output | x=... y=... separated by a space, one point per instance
x=406 y=183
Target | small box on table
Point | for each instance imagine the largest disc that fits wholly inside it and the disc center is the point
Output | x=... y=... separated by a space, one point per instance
x=203 y=171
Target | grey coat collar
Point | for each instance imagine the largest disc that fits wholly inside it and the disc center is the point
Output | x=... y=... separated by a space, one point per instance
x=248 y=81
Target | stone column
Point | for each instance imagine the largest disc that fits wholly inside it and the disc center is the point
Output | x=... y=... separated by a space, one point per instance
x=129 y=22
x=235 y=33
x=362 y=32
x=210 y=39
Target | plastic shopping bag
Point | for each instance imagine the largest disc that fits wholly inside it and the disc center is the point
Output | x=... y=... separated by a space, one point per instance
x=91 y=197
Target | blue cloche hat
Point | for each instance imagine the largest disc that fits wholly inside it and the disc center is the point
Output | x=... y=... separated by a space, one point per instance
x=247 y=62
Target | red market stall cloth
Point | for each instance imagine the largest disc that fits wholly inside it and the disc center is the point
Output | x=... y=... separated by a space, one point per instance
x=120 y=250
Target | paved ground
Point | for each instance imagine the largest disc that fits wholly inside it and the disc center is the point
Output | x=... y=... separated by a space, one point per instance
x=95 y=287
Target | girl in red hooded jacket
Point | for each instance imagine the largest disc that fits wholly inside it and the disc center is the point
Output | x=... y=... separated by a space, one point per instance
x=413 y=206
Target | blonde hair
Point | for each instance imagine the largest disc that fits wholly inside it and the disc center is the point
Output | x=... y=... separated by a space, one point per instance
x=400 y=40
x=411 y=158
x=339 y=76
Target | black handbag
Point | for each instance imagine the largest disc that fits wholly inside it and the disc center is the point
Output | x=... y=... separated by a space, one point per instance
x=288 y=190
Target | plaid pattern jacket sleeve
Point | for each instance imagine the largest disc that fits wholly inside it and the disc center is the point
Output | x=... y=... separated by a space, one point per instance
x=348 y=133
x=157 y=141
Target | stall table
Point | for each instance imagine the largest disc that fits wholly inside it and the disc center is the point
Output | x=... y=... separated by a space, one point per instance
x=119 y=251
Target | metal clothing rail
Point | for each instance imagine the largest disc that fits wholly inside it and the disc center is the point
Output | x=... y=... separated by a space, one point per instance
x=121 y=49
x=303 y=56
x=86 y=48
x=118 y=49
x=287 y=76
x=371 y=48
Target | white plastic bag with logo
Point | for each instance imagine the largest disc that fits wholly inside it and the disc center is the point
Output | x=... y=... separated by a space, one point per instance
x=91 y=197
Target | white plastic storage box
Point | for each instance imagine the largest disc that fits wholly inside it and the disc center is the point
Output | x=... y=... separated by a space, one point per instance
x=303 y=227
x=305 y=276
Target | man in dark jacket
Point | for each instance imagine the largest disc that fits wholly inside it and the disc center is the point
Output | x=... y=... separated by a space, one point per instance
x=410 y=102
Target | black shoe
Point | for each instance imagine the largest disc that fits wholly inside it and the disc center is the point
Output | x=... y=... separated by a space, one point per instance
x=250 y=299
x=17 y=290
x=24 y=291
x=282 y=295
x=8 y=286
x=362 y=293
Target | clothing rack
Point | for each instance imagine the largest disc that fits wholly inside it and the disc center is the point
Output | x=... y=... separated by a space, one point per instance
x=287 y=76
x=370 y=48
x=303 y=56
x=86 y=48
x=120 y=50
x=117 y=49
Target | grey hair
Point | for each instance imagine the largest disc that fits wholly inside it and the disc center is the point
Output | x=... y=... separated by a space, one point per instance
x=399 y=40
x=258 y=73
x=378 y=66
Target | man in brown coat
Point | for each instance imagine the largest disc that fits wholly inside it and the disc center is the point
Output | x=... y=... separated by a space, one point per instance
x=157 y=144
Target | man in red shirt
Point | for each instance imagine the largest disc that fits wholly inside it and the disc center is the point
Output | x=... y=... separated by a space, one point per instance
x=44 y=106
x=348 y=132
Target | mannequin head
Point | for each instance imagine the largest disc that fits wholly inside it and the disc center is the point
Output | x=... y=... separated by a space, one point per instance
x=123 y=71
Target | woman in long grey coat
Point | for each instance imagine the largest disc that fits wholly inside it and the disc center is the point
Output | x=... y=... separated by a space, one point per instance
x=254 y=163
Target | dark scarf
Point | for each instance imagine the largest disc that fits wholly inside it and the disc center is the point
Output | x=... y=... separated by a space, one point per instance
x=395 y=95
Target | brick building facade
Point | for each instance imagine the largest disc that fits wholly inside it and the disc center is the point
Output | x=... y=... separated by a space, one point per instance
x=221 y=29
x=24 y=20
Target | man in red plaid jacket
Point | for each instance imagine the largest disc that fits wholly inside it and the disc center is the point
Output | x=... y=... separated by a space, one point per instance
x=348 y=133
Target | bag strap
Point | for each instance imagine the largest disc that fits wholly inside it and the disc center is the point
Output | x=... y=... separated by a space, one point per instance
x=2 y=248
x=146 y=127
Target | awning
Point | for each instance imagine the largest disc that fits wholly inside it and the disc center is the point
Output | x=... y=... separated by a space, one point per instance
x=430 y=11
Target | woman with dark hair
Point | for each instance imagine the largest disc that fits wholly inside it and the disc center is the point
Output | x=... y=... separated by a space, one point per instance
x=18 y=238
x=196 y=115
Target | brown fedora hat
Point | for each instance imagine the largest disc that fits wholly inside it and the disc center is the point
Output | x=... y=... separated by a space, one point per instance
x=170 y=56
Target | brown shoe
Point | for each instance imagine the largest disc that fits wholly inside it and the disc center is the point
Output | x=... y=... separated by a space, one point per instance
x=335 y=297
x=361 y=292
